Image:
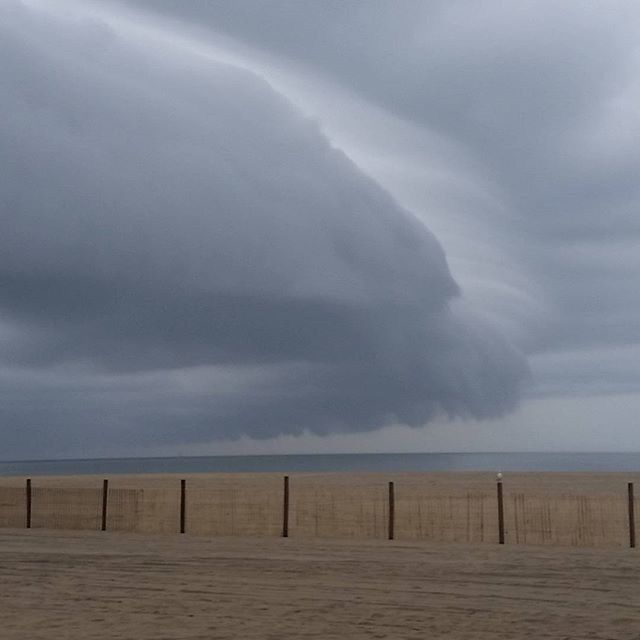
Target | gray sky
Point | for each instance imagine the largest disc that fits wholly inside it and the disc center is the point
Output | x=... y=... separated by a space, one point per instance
x=268 y=226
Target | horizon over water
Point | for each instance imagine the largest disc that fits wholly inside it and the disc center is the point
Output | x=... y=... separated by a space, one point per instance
x=333 y=462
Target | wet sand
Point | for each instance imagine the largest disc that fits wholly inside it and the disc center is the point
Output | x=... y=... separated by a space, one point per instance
x=87 y=585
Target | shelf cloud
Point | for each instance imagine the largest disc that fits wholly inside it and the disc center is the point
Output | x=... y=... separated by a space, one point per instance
x=185 y=256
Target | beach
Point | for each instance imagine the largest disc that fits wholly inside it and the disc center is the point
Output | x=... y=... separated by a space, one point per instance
x=105 y=585
x=564 y=509
x=565 y=572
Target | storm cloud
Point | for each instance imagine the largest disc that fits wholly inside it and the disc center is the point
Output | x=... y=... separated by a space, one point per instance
x=185 y=256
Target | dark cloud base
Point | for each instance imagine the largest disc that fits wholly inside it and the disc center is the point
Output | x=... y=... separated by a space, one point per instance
x=184 y=257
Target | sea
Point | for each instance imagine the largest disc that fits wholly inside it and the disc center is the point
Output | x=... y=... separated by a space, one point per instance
x=341 y=462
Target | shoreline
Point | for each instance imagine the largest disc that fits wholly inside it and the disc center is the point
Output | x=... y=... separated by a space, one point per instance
x=336 y=463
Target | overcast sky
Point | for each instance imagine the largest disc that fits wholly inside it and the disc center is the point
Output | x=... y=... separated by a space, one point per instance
x=309 y=226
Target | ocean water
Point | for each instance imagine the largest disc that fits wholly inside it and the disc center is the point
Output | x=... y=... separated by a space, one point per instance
x=355 y=462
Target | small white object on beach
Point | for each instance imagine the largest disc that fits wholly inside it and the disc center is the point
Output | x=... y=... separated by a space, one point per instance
x=499 y=477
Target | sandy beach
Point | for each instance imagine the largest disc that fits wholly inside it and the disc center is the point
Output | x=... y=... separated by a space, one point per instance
x=94 y=586
x=566 y=571
x=565 y=509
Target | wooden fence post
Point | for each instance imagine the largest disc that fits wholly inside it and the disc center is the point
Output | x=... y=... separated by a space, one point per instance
x=392 y=511
x=183 y=505
x=500 y=510
x=285 y=509
x=632 y=518
x=28 y=497
x=105 y=494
